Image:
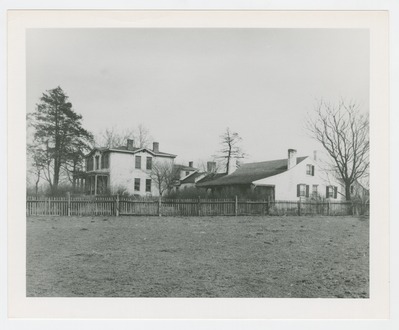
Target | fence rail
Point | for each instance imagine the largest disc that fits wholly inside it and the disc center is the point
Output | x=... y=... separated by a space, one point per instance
x=117 y=205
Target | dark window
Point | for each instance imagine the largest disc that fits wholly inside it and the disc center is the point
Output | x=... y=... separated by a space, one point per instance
x=138 y=161
x=97 y=162
x=187 y=173
x=310 y=170
x=149 y=163
x=331 y=192
x=137 y=184
x=105 y=160
x=148 y=185
x=89 y=164
x=302 y=190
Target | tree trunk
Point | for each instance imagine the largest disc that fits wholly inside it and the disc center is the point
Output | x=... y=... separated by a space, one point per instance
x=348 y=191
x=37 y=183
x=56 y=176
x=57 y=167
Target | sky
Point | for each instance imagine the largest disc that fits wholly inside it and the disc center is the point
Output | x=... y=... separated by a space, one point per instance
x=188 y=85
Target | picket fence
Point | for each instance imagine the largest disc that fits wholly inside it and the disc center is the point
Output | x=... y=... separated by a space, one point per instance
x=120 y=205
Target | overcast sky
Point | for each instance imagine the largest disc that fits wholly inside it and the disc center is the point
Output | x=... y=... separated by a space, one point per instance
x=187 y=85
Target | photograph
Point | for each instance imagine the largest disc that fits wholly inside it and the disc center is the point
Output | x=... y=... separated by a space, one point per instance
x=198 y=165
x=198 y=162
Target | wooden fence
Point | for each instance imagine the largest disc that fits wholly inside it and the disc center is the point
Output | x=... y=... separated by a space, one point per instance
x=117 y=205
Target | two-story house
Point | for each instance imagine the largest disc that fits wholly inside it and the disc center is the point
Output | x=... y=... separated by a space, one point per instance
x=124 y=169
x=283 y=179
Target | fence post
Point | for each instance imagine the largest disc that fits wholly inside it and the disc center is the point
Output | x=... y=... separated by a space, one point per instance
x=236 y=205
x=69 y=203
x=117 y=205
x=328 y=208
x=299 y=207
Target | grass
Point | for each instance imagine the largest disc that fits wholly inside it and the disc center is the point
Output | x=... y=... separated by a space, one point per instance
x=198 y=257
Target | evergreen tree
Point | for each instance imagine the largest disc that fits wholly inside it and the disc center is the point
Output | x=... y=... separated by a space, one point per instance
x=58 y=134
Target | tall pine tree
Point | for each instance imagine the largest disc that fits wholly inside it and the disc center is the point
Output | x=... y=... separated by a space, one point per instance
x=58 y=134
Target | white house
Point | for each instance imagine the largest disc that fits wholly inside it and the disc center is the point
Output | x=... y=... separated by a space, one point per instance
x=123 y=169
x=292 y=178
x=183 y=171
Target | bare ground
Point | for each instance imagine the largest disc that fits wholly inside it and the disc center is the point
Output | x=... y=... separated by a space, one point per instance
x=198 y=257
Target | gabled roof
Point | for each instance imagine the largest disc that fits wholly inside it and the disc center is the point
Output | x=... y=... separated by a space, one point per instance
x=124 y=149
x=248 y=173
x=210 y=177
x=191 y=178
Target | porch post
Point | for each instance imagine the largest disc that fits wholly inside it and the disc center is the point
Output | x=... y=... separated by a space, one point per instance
x=95 y=185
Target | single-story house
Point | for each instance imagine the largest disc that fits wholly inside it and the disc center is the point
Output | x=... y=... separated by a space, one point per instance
x=291 y=178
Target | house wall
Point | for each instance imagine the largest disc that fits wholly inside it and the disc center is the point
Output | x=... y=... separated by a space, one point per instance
x=186 y=185
x=192 y=184
x=183 y=175
x=286 y=183
x=123 y=172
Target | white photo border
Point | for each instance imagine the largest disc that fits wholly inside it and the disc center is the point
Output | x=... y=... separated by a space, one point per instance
x=376 y=307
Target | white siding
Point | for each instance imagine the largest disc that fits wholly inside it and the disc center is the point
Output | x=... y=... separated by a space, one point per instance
x=123 y=172
x=286 y=182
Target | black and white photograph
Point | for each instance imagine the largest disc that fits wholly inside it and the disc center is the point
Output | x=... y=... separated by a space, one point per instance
x=199 y=162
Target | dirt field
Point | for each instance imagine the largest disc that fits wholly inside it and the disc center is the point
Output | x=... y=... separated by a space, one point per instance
x=198 y=257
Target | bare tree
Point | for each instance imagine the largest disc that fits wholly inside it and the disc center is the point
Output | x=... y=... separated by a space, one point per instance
x=164 y=175
x=202 y=165
x=35 y=165
x=112 y=138
x=40 y=163
x=230 y=148
x=344 y=133
x=143 y=136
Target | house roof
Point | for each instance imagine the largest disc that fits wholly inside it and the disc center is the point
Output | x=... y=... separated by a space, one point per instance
x=248 y=173
x=184 y=168
x=134 y=150
x=191 y=178
x=210 y=177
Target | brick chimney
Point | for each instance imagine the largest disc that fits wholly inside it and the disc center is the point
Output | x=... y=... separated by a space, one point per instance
x=155 y=146
x=211 y=167
x=190 y=164
x=130 y=144
x=291 y=158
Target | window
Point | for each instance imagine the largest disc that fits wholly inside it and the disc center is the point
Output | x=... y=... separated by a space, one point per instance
x=302 y=190
x=138 y=161
x=136 y=184
x=105 y=160
x=149 y=163
x=310 y=170
x=314 y=190
x=148 y=185
x=89 y=164
x=187 y=173
x=97 y=162
x=331 y=192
